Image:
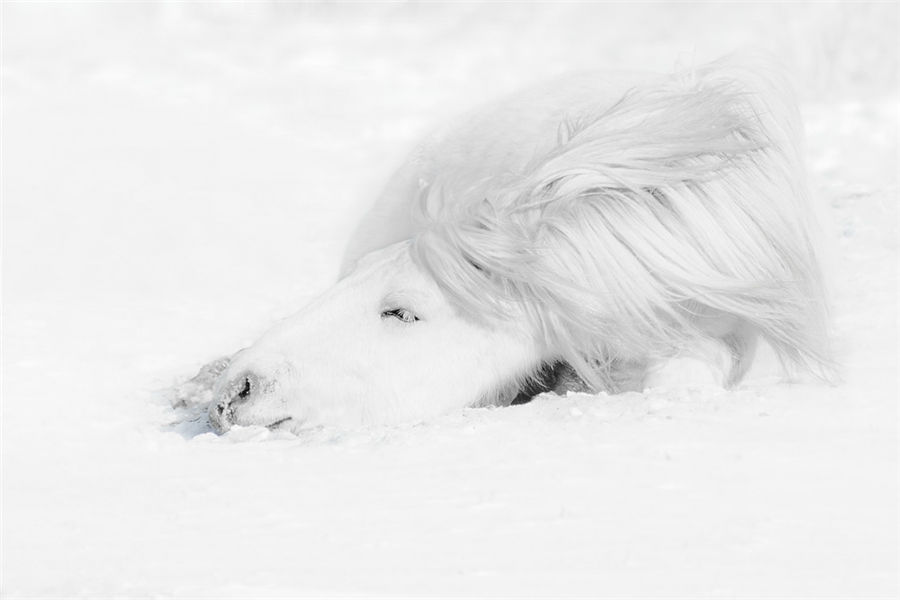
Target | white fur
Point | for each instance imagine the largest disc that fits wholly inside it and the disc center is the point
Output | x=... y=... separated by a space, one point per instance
x=339 y=362
x=611 y=222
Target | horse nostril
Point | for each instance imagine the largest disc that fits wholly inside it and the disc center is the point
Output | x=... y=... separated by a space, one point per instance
x=245 y=391
x=219 y=417
x=242 y=389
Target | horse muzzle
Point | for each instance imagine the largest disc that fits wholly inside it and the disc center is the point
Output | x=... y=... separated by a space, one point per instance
x=236 y=393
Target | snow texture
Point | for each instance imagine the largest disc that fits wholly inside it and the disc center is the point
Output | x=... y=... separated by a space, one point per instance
x=177 y=176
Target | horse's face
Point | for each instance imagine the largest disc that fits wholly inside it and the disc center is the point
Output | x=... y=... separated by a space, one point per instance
x=384 y=345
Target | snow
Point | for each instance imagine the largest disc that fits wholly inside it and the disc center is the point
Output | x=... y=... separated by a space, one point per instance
x=177 y=176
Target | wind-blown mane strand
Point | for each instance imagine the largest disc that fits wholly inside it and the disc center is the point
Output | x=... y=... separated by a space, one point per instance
x=681 y=203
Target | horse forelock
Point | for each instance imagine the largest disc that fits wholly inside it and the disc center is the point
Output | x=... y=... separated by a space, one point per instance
x=685 y=193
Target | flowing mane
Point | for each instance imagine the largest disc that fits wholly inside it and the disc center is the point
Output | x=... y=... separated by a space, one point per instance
x=607 y=231
x=680 y=205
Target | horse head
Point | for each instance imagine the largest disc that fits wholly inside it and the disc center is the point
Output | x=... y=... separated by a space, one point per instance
x=383 y=345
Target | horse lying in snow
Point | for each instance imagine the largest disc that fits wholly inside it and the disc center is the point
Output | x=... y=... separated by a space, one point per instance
x=605 y=232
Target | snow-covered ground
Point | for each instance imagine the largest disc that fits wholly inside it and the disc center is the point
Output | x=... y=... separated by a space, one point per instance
x=177 y=176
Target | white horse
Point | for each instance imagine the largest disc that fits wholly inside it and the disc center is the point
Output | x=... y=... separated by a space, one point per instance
x=607 y=231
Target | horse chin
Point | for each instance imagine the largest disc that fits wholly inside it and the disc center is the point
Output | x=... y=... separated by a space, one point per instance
x=222 y=419
x=281 y=424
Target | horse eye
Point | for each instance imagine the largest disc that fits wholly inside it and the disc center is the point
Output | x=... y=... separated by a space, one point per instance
x=401 y=314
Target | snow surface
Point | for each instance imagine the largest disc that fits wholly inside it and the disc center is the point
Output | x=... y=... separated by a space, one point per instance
x=177 y=176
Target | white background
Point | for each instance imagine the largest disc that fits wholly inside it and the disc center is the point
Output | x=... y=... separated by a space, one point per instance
x=177 y=176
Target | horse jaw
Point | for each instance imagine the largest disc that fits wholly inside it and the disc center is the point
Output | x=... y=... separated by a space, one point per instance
x=341 y=362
